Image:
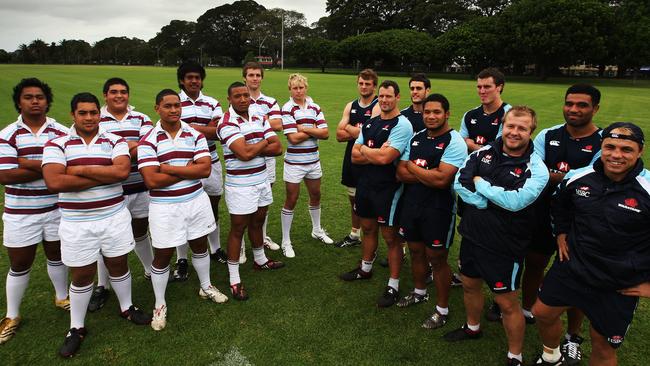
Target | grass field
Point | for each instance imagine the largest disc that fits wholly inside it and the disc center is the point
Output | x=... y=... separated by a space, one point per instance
x=302 y=314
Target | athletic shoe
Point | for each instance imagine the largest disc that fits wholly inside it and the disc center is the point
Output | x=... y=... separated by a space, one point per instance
x=72 y=342
x=540 y=361
x=322 y=236
x=242 y=256
x=355 y=274
x=287 y=250
x=412 y=299
x=269 y=243
x=348 y=241
x=514 y=362
x=98 y=299
x=435 y=321
x=136 y=316
x=159 y=320
x=388 y=298
x=219 y=256
x=238 y=292
x=212 y=293
x=63 y=304
x=181 y=272
x=8 y=328
x=571 y=351
x=462 y=334
x=270 y=264
x=530 y=319
x=494 y=313
x=456 y=280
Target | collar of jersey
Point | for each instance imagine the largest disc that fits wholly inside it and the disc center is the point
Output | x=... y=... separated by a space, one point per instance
x=105 y=113
x=48 y=123
x=183 y=96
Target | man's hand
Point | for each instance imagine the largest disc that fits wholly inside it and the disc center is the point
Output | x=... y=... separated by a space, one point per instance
x=476 y=179
x=562 y=247
x=642 y=289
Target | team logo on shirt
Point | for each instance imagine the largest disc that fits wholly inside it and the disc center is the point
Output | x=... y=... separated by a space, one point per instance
x=495 y=122
x=563 y=166
x=499 y=286
x=554 y=143
x=421 y=163
x=630 y=204
x=440 y=146
x=188 y=141
x=51 y=135
x=353 y=111
x=583 y=191
x=135 y=122
x=386 y=127
x=473 y=121
x=368 y=125
x=381 y=220
x=516 y=172
x=368 y=113
x=588 y=149
x=371 y=143
x=106 y=147
x=415 y=143
x=480 y=140
x=615 y=339
x=437 y=243
x=487 y=159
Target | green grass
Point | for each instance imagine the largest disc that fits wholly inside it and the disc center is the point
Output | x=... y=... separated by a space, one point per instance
x=302 y=314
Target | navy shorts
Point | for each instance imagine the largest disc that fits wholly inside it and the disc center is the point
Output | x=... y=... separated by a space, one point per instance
x=379 y=203
x=500 y=273
x=543 y=240
x=434 y=227
x=609 y=312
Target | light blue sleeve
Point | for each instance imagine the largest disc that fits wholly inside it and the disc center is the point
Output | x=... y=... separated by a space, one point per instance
x=456 y=153
x=359 y=139
x=401 y=134
x=539 y=143
x=597 y=155
x=500 y=131
x=407 y=151
x=515 y=200
x=506 y=108
x=472 y=198
x=464 y=133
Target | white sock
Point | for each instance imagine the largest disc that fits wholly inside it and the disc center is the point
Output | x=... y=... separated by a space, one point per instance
x=181 y=251
x=552 y=356
x=366 y=266
x=394 y=283
x=242 y=248
x=122 y=287
x=355 y=233
x=420 y=291
x=16 y=285
x=259 y=256
x=201 y=264
x=442 y=311
x=314 y=213
x=474 y=328
x=159 y=278
x=517 y=356
x=102 y=273
x=286 y=217
x=233 y=270
x=58 y=273
x=266 y=221
x=144 y=252
x=214 y=239
x=79 y=299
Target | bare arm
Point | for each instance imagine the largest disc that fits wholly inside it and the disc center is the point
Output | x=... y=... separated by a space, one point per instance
x=57 y=180
x=246 y=152
x=106 y=174
x=154 y=179
x=297 y=137
x=357 y=157
x=342 y=133
x=133 y=150
x=382 y=156
x=274 y=147
x=193 y=170
x=209 y=131
x=440 y=177
x=471 y=145
x=276 y=124
x=315 y=132
x=556 y=178
x=18 y=175
x=403 y=174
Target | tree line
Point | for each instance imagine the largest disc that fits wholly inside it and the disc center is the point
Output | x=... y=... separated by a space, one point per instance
x=539 y=36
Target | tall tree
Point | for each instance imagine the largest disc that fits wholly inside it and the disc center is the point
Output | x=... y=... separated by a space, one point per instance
x=628 y=44
x=173 y=42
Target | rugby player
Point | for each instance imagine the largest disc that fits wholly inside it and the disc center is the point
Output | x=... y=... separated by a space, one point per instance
x=499 y=184
x=202 y=113
x=380 y=143
x=173 y=158
x=31 y=215
x=247 y=138
x=428 y=207
x=563 y=147
x=419 y=86
x=87 y=167
x=600 y=220
x=304 y=124
x=253 y=74
x=120 y=118
x=355 y=114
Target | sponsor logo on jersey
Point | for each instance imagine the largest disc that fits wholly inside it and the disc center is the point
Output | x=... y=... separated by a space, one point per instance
x=421 y=163
x=615 y=339
x=473 y=121
x=437 y=243
x=630 y=204
x=499 y=286
x=371 y=143
x=480 y=140
x=386 y=127
x=401 y=231
x=487 y=159
x=588 y=149
x=368 y=113
x=440 y=146
x=583 y=191
x=554 y=143
x=516 y=172
x=563 y=166
x=495 y=122
x=381 y=220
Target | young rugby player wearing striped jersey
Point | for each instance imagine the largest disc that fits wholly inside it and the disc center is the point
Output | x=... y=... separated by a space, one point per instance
x=173 y=158
x=86 y=167
x=202 y=113
x=120 y=118
x=31 y=214
x=304 y=124
x=247 y=138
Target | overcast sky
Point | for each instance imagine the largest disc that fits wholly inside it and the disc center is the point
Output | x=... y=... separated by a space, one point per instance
x=22 y=21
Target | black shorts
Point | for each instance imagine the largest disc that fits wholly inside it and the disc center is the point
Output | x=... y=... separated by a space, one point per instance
x=543 y=240
x=378 y=203
x=434 y=227
x=350 y=174
x=609 y=312
x=500 y=273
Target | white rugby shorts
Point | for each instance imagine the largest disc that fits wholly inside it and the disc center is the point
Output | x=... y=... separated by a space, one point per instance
x=244 y=200
x=21 y=231
x=296 y=173
x=213 y=185
x=138 y=204
x=174 y=224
